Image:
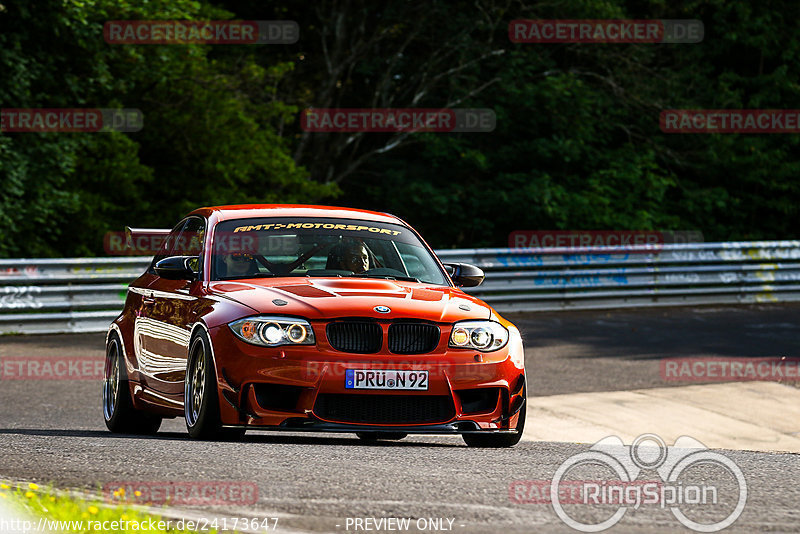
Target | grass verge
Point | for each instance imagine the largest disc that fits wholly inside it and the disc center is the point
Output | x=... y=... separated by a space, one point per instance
x=46 y=510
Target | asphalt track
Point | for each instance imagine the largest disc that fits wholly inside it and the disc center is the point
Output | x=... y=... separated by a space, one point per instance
x=52 y=431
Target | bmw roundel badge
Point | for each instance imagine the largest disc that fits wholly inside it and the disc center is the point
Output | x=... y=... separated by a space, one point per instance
x=382 y=309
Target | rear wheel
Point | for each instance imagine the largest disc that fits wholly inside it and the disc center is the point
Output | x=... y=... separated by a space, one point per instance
x=372 y=437
x=498 y=441
x=118 y=411
x=201 y=397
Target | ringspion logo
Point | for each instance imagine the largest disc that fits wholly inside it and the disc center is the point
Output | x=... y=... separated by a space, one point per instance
x=704 y=490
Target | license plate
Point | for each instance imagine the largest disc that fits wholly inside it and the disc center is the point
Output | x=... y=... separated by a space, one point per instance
x=385 y=379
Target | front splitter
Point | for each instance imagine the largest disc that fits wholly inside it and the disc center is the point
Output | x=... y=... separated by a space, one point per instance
x=457 y=428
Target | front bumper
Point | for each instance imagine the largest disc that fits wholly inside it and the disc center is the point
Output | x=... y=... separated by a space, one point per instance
x=303 y=389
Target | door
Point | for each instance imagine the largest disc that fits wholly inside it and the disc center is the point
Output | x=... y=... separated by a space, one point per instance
x=165 y=325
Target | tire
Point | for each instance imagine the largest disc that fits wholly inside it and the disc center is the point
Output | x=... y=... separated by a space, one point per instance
x=201 y=395
x=118 y=411
x=498 y=441
x=372 y=437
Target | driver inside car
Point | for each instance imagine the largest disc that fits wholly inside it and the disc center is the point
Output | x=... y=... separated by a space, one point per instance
x=356 y=258
x=240 y=264
x=350 y=256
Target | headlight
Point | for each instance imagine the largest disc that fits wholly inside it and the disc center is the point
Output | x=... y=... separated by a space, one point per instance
x=273 y=331
x=484 y=336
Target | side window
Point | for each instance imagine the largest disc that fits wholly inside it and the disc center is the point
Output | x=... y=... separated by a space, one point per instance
x=191 y=239
x=168 y=246
x=419 y=263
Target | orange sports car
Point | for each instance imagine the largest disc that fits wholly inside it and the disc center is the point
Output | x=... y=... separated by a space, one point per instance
x=311 y=318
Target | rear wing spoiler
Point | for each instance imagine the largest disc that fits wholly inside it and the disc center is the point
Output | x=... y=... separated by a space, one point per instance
x=132 y=235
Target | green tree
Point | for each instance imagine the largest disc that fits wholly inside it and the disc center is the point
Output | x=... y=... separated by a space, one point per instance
x=205 y=141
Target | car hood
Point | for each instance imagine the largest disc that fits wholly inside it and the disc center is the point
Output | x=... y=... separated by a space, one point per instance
x=328 y=298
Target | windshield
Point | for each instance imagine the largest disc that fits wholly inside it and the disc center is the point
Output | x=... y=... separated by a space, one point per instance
x=265 y=247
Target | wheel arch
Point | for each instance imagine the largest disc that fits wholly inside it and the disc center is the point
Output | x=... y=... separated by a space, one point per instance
x=129 y=366
x=114 y=328
x=201 y=326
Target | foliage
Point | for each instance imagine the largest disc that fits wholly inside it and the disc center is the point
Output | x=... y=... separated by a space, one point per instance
x=577 y=143
x=60 y=511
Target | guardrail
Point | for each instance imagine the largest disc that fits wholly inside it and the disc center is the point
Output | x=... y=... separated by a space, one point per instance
x=666 y=275
x=86 y=294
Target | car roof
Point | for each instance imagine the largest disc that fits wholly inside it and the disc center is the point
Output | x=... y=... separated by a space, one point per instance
x=247 y=211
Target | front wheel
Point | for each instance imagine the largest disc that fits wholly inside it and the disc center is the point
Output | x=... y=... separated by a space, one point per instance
x=201 y=397
x=118 y=411
x=498 y=441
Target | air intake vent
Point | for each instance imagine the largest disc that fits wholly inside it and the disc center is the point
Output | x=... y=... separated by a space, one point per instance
x=478 y=400
x=278 y=397
x=413 y=338
x=360 y=337
x=386 y=409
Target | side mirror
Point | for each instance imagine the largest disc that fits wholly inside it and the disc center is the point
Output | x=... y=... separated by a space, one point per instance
x=177 y=268
x=464 y=274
